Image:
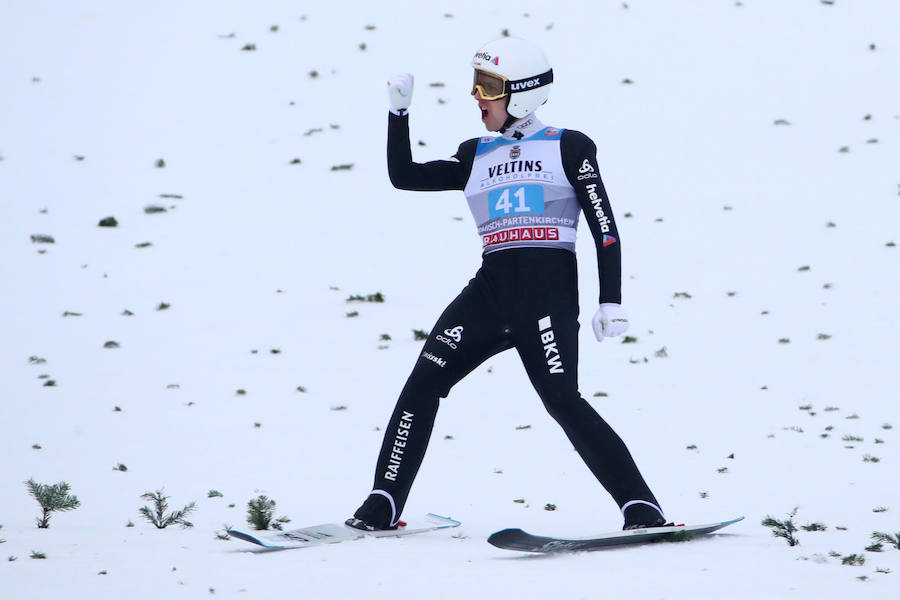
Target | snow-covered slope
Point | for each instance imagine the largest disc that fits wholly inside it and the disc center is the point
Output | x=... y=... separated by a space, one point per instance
x=750 y=150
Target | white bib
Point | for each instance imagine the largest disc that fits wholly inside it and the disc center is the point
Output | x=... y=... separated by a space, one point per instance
x=519 y=194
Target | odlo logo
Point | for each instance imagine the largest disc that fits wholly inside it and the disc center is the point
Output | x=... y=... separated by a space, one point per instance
x=587 y=171
x=515 y=153
x=586 y=167
x=451 y=336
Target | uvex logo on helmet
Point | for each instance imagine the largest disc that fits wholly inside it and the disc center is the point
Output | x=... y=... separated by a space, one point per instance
x=527 y=84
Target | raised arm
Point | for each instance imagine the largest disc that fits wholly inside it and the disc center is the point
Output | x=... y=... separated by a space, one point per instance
x=430 y=176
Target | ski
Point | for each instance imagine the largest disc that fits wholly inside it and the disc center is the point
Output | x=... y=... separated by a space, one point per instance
x=332 y=533
x=516 y=539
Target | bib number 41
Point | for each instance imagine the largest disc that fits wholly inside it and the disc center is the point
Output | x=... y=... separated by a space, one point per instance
x=523 y=199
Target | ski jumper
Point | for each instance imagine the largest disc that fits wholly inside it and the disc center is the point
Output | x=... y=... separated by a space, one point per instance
x=526 y=190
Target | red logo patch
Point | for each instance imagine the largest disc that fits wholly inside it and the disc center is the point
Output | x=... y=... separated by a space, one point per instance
x=521 y=234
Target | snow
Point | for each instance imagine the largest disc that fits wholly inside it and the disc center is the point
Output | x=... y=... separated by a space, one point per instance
x=726 y=206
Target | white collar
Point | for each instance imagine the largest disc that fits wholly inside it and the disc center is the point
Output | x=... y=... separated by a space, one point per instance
x=523 y=128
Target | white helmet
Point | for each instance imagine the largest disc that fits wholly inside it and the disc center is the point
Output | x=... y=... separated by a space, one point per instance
x=523 y=71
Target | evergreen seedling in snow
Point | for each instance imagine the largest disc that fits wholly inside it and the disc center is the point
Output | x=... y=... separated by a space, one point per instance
x=261 y=514
x=886 y=538
x=854 y=560
x=376 y=297
x=223 y=535
x=783 y=529
x=157 y=515
x=52 y=498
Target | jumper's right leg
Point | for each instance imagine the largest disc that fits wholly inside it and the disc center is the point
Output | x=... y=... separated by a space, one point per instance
x=466 y=334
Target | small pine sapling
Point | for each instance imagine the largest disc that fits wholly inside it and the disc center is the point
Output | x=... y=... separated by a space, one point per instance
x=886 y=538
x=875 y=547
x=261 y=514
x=157 y=515
x=783 y=529
x=680 y=536
x=223 y=535
x=854 y=560
x=52 y=498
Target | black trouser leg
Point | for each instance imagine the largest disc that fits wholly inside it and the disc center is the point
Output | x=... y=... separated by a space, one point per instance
x=546 y=337
x=467 y=333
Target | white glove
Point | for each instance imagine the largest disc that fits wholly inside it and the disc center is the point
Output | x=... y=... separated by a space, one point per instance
x=400 y=89
x=610 y=321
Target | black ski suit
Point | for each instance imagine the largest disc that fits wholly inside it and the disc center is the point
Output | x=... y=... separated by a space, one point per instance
x=524 y=298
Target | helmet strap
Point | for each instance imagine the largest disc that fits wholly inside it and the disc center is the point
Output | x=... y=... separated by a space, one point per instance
x=508 y=123
x=509 y=118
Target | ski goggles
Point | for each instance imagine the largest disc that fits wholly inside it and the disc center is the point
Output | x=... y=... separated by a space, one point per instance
x=492 y=86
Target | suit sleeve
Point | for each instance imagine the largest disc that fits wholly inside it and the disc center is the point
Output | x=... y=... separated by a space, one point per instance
x=432 y=176
x=579 y=158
